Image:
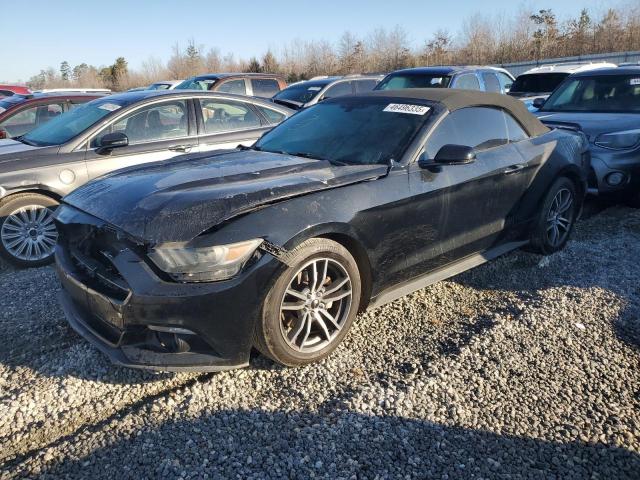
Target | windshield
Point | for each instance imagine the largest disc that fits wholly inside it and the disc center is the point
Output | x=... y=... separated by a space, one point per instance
x=349 y=130
x=537 y=82
x=404 y=80
x=197 y=84
x=598 y=93
x=300 y=93
x=66 y=126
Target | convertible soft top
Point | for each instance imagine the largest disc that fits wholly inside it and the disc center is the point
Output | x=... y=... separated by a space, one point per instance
x=455 y=99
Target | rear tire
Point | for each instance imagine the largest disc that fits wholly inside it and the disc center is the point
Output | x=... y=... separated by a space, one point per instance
x=311 y=304
x=27 y=232
x=556 y=218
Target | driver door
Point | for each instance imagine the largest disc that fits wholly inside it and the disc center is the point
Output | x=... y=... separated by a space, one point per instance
x=156 y=132
x=475 y=199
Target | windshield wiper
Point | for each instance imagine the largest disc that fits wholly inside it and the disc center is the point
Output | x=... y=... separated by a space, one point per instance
x=22 y=140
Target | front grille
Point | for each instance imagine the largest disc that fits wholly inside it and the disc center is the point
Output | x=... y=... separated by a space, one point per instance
x=91 y=250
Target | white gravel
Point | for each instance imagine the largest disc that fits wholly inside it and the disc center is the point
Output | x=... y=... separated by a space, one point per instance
x=522 y=368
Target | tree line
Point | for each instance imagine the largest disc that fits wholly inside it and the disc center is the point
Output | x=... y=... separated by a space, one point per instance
x=482 y=39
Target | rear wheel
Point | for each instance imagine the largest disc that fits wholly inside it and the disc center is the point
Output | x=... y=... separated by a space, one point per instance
x=311 y=305
x=27 y=232
x=556 y=218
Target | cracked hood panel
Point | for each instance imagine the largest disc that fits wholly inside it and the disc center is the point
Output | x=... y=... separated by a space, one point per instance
x=175 y=201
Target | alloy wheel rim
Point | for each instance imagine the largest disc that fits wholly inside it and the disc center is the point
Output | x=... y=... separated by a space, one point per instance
x=560 y=217
x=316 y=305
x=29 y=233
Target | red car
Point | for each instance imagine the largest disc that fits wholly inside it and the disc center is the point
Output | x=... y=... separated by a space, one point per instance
x=19 y=114
x=8 y=90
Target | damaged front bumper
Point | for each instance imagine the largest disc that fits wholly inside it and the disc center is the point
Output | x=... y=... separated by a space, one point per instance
x=117 y=301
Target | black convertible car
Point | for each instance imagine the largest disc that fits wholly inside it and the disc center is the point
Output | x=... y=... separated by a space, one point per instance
x=352 y=203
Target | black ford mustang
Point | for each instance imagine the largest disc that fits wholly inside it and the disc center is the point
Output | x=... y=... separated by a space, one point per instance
x=350 y=204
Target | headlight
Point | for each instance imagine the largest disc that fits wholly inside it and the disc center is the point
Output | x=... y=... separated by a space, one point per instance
x=618 y=140
x=206 y=264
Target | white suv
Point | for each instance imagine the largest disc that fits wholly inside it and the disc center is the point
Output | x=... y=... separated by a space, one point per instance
x=539 y=82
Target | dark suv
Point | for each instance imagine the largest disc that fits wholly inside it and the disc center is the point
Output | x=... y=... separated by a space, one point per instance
x=20 y=114
x=253 y=84
x=486 y=79
x=605 y=105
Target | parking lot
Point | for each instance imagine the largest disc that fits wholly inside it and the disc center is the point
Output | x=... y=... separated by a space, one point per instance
x=527 y=367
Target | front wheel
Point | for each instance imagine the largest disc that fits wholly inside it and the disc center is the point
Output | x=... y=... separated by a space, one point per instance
x=311 y=305
x=27 y=232
x=557 y=217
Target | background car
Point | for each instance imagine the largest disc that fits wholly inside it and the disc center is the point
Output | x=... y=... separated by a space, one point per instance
x=605 y=105
x=100 y=91
x=20 y=114
x=117 y=131
x=262 y=85
x=348 y=204
x=161 y=85
x=486 y=79
x=304 y=94
x=9 y=90
x=539 y=82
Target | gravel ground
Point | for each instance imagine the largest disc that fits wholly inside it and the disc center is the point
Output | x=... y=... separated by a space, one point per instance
x=528 y=367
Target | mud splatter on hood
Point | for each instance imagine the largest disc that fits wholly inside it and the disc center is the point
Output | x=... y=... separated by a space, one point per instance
x=177 y=200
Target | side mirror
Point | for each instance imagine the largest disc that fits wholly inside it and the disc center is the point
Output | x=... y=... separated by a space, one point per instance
x=113 y=140
x=3 y=134
x=454 y=155
x=507 y=87
x=538 y=102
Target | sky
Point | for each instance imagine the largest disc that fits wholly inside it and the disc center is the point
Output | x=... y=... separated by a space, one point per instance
x=47 y=32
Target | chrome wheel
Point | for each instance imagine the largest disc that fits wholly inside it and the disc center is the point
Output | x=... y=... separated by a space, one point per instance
x=316 y=305
x=29 y=233
x=560 y=217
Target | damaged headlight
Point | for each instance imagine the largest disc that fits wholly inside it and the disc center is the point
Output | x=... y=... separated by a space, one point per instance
x=618 y=140
x=205 y=264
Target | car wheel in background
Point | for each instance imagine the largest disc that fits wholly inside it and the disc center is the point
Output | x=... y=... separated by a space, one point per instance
x=557 y=217
x=27 y=232
x=311 y=305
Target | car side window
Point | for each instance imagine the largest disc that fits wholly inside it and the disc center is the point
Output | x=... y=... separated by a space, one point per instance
x=264 y=87
x=505 y=82
x=364 y=85
x=273 y=116
x=467 y=81
x=491 y=83
x=29 y=118
x=227 y=115
x=514 y=130
x=233 y=86
x=338 y=90
x=477 y=127
x=151 y=124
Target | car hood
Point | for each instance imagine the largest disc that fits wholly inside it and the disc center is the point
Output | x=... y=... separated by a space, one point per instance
x=592 y=124
x=174 y=201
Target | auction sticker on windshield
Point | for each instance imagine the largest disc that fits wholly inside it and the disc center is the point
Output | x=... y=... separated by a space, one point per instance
x=406 y=108
x=112 y=107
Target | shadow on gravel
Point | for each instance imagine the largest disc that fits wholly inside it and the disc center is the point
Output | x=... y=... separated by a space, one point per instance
x=259 y=444
x=603 y=253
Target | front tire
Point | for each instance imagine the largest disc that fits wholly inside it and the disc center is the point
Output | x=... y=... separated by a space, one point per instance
x=311 y=305
x=557 y=217
x=27 y=232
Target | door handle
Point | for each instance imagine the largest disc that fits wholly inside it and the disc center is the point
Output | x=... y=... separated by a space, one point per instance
x=514 y=168
x=180 y=148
